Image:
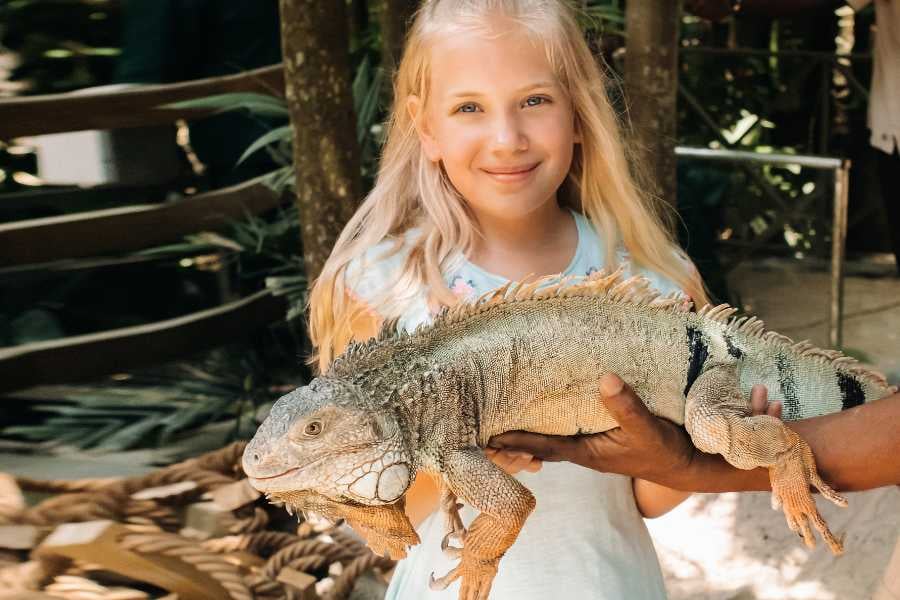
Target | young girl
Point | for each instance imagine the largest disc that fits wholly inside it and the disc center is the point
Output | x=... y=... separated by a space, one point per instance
x=503 y=160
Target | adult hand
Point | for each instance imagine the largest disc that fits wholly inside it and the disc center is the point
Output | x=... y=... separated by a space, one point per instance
x=642 y=446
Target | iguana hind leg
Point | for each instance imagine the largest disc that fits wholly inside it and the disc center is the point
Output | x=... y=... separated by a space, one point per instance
x=718 y=419
x=504 y=504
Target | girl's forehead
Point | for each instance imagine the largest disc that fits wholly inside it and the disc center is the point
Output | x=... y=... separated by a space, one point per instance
x=484 y=63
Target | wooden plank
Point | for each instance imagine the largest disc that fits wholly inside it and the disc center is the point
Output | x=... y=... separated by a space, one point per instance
x=119 y=350
x=130 y=228
x=96 y=542
x=57 y=200
x=55 y=113
x=19 y=537
x=234 y=495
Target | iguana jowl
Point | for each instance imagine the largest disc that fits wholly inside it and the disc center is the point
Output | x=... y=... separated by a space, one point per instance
x=529 y=357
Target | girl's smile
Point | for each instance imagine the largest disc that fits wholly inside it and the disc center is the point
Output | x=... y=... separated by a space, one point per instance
x=507 y=175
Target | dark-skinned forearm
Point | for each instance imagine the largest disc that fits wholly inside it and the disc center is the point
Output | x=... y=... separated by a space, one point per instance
x=856 y=449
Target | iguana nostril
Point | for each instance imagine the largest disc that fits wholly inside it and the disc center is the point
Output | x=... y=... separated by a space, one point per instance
x=256 y=458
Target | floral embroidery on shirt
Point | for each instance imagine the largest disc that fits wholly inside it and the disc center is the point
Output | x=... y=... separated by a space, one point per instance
x=463 y=288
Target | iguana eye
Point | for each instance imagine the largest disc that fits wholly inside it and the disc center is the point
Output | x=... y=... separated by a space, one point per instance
x=313 y=428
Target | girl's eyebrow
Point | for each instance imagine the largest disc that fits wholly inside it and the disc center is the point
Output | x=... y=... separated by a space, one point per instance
x=540 y=84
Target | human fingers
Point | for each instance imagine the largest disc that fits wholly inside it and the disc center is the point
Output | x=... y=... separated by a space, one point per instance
x=511 y=461
x=759 y=399
x=543 y=447
x=629 y=411
x=759 y=402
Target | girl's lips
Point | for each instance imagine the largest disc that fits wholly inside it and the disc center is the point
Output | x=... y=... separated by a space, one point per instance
x=512 y=177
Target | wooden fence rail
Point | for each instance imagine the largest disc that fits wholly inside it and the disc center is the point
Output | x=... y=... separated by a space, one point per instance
x=119 y=350
x=138 y=107
x=128 y=228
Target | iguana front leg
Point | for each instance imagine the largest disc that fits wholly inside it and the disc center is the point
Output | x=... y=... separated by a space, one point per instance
x=453 y=524
x=717 y=417
x=385 y=528
x=504 y=504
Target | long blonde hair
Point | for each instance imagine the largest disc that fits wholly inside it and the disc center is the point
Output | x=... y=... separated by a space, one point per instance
x=411 y=191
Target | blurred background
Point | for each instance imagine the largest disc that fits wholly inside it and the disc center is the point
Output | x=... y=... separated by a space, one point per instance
x=155 y=249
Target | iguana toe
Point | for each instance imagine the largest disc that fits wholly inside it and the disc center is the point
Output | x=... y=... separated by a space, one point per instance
x=450 y=551
x=442 y=583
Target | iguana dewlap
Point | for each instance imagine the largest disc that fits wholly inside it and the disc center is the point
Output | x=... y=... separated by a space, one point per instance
x=529 y=357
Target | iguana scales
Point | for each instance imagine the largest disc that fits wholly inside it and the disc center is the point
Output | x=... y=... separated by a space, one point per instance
x=529 y=357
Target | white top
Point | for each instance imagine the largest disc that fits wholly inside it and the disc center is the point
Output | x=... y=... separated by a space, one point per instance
x=585 y=538
x=884 y=94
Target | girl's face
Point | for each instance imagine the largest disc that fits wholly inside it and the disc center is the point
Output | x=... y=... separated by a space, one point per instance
x=500 y=123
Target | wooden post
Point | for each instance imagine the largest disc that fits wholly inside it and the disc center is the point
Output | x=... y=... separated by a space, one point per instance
x=651 y=85
x=318 y=81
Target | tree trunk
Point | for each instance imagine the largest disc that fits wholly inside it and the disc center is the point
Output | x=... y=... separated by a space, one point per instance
x=319 y=97
x=651 y=84
x=395 y=20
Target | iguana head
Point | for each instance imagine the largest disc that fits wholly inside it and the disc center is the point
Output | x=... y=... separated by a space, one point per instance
x=328 y=438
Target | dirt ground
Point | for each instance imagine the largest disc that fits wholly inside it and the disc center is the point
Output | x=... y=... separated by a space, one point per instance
x=734 y=546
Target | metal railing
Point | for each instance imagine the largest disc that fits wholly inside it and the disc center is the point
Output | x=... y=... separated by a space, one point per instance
x=841 y=169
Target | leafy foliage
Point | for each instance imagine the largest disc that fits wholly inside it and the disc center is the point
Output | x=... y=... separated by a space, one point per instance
x=150 y=408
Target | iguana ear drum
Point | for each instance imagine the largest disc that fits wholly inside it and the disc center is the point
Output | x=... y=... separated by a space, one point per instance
x=393 y=482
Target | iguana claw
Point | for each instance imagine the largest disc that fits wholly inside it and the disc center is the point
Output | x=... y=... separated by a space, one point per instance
x=477 y=577
x=450 y=551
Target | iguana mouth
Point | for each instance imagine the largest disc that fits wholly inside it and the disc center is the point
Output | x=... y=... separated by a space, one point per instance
x=275 y=476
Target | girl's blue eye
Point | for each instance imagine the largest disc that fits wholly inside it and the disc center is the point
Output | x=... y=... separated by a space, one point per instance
x=542 y=100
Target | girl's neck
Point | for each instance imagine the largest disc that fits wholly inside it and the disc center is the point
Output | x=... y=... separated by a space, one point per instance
x=541 y=243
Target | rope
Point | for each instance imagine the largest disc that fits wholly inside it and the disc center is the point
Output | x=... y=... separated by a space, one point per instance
x=345 y=582
x=256 y=522
x=303 y=548
x=262 y=542
x=226 y=574
x=152 y=522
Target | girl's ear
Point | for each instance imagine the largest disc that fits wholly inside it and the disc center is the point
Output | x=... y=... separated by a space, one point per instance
x=416 y=112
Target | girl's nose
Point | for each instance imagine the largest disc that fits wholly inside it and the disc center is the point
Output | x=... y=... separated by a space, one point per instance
x=508 y=135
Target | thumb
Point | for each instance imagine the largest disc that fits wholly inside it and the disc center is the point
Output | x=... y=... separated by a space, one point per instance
x=545 y=447
x=629 y=411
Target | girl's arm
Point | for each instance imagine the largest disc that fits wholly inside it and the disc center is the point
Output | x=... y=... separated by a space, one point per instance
x=654 y=500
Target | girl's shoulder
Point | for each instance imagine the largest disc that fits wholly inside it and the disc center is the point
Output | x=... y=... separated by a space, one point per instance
x=376 y=279
x=371 y=274
x=594 y=258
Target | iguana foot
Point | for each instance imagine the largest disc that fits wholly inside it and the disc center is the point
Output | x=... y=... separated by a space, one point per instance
x=477 y=576
x=791 y=475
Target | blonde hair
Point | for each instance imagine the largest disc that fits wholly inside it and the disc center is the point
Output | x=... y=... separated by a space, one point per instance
x=413 y=192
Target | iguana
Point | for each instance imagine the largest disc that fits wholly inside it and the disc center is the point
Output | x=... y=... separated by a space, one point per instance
x=529 y=357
